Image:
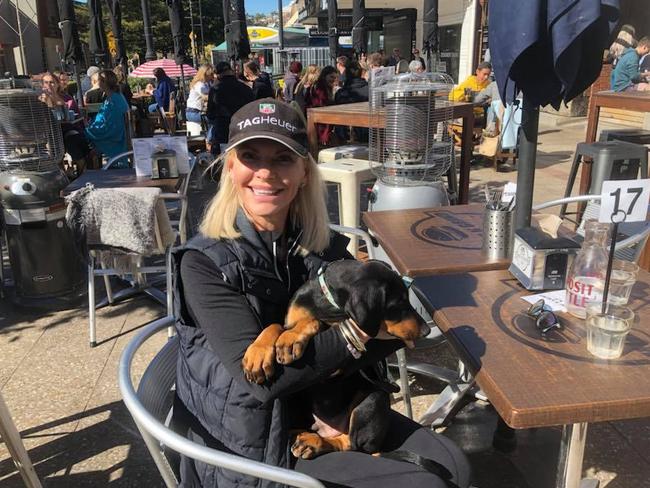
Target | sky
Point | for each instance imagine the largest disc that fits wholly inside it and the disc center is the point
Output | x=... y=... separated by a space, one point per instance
x=263 y=6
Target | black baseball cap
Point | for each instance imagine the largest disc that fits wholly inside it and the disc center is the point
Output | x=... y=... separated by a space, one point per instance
x=272 y=119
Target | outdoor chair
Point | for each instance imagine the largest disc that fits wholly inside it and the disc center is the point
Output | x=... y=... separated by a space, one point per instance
x=129 y=264
x=151 y=405
x=461 y=388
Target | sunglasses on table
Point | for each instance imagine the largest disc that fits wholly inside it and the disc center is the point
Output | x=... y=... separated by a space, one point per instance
x=545 y=319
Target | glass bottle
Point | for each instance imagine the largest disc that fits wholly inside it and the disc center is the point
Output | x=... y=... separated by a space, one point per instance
x=586 y=278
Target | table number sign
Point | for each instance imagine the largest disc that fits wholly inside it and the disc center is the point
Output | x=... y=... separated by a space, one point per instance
x=624 y=201
x=621 y=201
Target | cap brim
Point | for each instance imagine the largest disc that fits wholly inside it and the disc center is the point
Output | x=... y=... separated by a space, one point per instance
x=296 y=147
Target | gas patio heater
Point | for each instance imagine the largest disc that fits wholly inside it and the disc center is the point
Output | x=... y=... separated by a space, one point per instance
x=47 y=269
x=410 y=146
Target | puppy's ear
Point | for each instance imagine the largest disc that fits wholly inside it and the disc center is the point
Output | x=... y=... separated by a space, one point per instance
x=366 y=306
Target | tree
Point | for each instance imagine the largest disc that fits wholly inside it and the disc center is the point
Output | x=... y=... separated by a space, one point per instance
x=133 y=28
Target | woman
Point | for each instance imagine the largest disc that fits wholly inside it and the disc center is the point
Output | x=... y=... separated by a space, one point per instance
x=123 y=84
x=322 y=94
x=65 y=109
x=259 y=80
x=164 y=88
x=108 y=131
x=291 y=79
x=626 y=38
x=309 y=79
x=263 y=235
x=199 y=90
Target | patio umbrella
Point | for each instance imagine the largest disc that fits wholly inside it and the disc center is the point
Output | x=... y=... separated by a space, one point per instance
x=237 y=35
x=359 y=40
x=172 y=69
x=72 y=52
x=116 y=24
x=552 y=51
x=332 y=32
x=430 y=31
x=175 y=9
x=97 y=40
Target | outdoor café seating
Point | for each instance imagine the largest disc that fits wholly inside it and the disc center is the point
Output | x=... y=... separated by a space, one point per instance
x=461 y=388
x=118 y=241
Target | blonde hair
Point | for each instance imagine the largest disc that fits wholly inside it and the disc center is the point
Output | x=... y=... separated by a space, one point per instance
x=205 y=73
x=307 y=212
x=309 y=78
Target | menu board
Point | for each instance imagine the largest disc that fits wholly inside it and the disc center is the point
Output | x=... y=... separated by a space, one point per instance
x=144 y=147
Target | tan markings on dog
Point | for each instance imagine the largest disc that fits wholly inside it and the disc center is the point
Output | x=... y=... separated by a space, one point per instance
x=259 y=359
x=407 y=329
x=301 y=326
x=308 y=445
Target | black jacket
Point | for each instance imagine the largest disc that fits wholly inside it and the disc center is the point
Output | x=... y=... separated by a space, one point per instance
x=215 y=401
x=354 y=90
x=262 y=86
x=224 y=99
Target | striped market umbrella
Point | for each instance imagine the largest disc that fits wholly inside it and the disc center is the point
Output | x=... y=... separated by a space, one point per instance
x=172 y=69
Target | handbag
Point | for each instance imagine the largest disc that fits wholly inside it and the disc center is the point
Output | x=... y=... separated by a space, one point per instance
x=489 y=145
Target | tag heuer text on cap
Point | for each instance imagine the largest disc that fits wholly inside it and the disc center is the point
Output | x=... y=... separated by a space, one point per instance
x=269 y=119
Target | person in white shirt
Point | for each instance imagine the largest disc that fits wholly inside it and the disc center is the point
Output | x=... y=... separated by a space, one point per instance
x=199 y=89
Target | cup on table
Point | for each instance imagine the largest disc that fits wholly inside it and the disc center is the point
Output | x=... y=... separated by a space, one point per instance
x=623 y=277
x=606 y=331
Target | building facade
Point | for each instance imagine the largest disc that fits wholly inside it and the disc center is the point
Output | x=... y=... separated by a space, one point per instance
x=29 y=36
x=398 y=23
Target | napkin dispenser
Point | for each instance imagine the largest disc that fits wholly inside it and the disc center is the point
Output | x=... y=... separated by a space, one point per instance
x=540 y=261
x=163 y=164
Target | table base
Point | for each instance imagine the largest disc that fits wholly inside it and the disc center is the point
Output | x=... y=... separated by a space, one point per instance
x=572 y=450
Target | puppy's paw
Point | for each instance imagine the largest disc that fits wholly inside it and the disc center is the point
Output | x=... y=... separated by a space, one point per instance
x=258 y=363
x=308 y=445
x=290 y=346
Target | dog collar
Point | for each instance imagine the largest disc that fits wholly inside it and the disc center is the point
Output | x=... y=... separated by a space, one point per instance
x=324 y=288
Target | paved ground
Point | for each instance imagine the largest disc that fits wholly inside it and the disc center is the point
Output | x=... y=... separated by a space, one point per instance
x=66 y=403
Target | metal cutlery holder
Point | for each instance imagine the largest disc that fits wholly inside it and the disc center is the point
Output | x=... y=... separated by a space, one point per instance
x=498 y=233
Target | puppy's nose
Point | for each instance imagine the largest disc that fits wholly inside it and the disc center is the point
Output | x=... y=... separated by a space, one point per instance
x=424 y=329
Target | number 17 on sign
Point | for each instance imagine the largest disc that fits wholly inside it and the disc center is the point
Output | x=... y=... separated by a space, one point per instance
x=622 y=201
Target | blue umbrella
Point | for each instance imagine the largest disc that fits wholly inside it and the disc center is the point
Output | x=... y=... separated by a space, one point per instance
x=551 y=51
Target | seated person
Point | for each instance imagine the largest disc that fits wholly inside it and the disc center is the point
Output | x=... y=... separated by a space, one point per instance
x=64 y=109
x=95 y=94
x=627 y=75
x=108 y=131
x=268 y=225
x=473 y=84
x=123 y=84
x=164 y=88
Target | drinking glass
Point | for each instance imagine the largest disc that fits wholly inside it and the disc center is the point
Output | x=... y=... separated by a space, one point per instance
x=606 y=331
x=623 y=277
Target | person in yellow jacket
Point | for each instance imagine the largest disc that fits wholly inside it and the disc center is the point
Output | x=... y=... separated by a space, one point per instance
x=473 y=84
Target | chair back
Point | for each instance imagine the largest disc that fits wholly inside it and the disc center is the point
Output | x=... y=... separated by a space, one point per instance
x=150 y=409
x=634 y=234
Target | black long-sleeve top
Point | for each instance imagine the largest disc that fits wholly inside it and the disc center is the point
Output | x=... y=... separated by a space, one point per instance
x=230 y=326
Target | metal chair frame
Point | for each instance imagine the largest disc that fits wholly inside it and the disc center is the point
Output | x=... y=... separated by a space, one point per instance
x=150 y=406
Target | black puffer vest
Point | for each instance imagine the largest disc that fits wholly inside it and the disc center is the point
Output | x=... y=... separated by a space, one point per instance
x=229 y=413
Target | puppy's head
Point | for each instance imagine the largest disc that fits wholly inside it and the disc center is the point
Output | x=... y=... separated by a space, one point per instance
x=378 y=301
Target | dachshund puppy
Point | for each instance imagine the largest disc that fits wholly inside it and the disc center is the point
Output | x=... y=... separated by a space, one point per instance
x=350 y=413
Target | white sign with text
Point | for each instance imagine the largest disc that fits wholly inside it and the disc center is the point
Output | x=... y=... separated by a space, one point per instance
x=624 y=201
